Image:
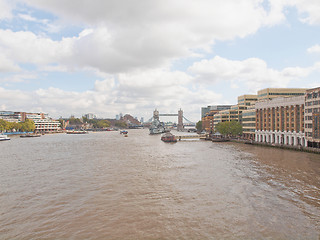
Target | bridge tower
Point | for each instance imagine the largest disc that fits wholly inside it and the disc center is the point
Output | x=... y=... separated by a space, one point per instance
x=180 y=120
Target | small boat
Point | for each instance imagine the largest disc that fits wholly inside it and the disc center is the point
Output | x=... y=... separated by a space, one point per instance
x=4 y=137
x=30 y=135
x=123 y=132
x=168 y=137
x=220 y=140
x=126 y=135
x=77 y=132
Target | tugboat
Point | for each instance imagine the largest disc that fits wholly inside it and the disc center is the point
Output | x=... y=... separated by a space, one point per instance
x=168 y=137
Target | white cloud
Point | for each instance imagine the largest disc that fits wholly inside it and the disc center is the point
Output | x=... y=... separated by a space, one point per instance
x=20 y=77
x=7 y=65
x=276 y=14
x=314 y=49
x=252 y=72
x=26 y=47
x=128 y=94
x=122 y=36
x=309 y=10
x=126 y=35
x=5 y=9
x=131 y=46
x=27 y=17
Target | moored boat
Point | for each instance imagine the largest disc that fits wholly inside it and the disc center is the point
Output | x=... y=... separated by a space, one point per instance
x=4 y=137
x=123 y=132
x=157 y=127
x=220 y=140
x=168 y=137
x=77 y=132
x=30 y=135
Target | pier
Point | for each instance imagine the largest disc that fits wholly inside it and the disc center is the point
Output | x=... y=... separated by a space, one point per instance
x=201 y=136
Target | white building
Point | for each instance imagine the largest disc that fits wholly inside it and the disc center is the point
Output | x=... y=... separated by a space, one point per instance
x=47 y=125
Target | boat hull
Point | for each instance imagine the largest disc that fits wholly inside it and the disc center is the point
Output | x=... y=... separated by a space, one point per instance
x=4 y=138
x=168 y=138
x=30 y=136
x=77 y=132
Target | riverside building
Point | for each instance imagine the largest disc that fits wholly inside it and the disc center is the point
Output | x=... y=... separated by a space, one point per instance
x=10 y=116
x=235 y=113
x=312 y=117
x=47 y=125
x=43 y=123
x=281 y=121
x=247 y=100
x=213 y=108
x=208 y=113
x=270 y=93
x=249 y=123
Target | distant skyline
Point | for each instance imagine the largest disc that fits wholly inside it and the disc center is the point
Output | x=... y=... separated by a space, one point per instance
x=106 y=57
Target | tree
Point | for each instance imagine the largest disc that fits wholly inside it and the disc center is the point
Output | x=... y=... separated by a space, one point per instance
x=232 y=128
x=121 y=124
x=199 y=126
x=2 y=125
x=101 y=124
x=75 y=121
x=29 y=125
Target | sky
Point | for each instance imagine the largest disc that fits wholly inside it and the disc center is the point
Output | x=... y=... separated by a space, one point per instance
x=131 y=56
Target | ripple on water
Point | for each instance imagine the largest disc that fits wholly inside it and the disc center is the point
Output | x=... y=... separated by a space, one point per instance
x=102 y=185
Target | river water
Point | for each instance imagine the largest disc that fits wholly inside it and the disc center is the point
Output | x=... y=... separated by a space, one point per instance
x=105 y=186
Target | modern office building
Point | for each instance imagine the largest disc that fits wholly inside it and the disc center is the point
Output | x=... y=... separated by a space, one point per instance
x=221 y=116
x=232 y=114
x=214 y=108
x=11 y=116
x=235 y=113
x=270 y=93
x=36 y=116
x=208 y=113
x=312 y=117
x=207 y=122
x=274 y=115
x=281 y=121
x=249 y=122
x=247 y=100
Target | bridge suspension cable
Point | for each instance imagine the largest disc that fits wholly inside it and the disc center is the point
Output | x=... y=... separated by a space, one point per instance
x=188 y=120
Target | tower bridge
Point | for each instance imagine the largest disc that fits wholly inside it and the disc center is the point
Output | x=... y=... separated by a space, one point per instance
x=180 y=126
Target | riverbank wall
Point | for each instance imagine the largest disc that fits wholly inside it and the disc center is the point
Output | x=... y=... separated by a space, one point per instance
x=288 y=147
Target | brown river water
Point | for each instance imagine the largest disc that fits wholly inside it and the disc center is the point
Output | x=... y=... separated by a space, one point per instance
x=105 y=186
